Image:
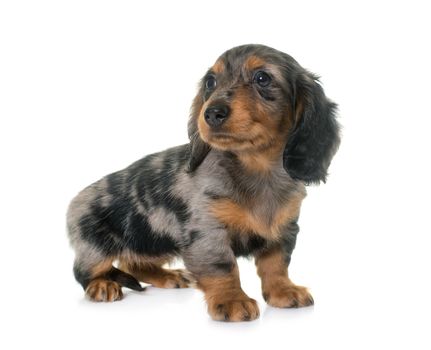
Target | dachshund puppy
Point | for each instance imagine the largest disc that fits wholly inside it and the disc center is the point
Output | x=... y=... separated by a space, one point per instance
x=260 y=130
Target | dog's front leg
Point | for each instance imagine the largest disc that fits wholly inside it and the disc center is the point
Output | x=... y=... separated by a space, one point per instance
x=211 y=260
x=226 y=300
x=272 y=267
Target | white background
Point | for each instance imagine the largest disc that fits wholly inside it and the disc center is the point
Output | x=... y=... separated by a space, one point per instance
x=87 y=87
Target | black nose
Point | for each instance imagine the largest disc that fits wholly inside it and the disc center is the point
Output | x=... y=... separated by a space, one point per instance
x=216 y=115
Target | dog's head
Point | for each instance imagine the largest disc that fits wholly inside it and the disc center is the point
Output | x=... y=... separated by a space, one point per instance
x=255 y=98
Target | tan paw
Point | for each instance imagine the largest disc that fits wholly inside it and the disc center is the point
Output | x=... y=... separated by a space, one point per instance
x=244 y=309
x=288 y=295
x=104 y=290
x=172 y=279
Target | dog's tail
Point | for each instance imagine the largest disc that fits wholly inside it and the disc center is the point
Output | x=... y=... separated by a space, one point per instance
x=114 y=274
x=124 y=279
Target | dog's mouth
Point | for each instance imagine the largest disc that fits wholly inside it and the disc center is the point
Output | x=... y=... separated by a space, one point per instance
x=226 y=137
x=227 y=141
x=222 y=135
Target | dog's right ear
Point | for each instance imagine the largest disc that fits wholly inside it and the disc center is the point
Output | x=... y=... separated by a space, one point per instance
x=198 y=149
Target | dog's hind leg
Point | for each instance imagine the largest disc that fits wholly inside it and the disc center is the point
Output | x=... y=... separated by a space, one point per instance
x=102 y=281
x=151 y=271
x=97 y=244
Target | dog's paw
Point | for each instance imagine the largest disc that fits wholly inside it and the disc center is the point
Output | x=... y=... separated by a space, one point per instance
x=174 y=279
x=244 y=309
x=288 y=295
x=104 y=290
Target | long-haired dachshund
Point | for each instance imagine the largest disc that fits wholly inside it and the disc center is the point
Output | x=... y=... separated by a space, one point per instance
x=260 y=130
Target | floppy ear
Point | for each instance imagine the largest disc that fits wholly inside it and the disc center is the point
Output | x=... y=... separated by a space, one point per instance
x=315 y=136
x=198 y=149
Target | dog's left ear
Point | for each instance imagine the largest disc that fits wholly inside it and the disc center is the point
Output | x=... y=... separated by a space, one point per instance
x=198 y=149
x=315 y=136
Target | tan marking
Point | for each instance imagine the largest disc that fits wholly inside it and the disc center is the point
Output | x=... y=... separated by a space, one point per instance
x=245 y=220
x=160 y=277
x=218 y=67
x=242 y=107
x=277 y=289
x=271 y=265
x=129 y=258
x=226 y=300
x=101 y=289
x=101 y=268
x=150 y=270
x=254 y=62
x=262 y=161
x=274 y=136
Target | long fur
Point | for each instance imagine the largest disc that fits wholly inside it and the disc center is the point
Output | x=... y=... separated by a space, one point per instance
x=233 y=190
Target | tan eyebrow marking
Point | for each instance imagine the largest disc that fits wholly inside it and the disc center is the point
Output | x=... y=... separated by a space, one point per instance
x=218 y=67
x=254 y=62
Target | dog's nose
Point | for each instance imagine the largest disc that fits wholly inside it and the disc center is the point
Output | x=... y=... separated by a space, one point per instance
x=216 y=115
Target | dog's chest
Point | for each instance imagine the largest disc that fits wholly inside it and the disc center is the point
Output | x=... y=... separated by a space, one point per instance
x=262 y=216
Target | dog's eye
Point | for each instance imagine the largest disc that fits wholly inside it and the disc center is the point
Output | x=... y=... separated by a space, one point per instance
x=262 y=79
x=210 y=83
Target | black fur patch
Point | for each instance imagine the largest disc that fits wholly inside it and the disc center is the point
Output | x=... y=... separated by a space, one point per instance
x=289 y=240
x=225 y=267
x=82 y=277
x=242 y=246
x=141 y=239
x=100 y=234
x=124 y=279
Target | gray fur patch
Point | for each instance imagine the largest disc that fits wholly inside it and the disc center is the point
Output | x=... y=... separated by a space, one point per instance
x=164 y=221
